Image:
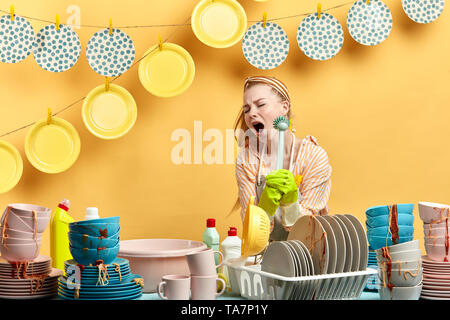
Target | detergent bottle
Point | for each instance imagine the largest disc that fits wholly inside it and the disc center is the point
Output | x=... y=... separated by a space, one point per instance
x=211 y=237
x=59 y=238
x=231 y=249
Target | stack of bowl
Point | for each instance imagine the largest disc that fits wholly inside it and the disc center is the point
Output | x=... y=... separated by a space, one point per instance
x=22 y=226
x=379 y=221
x=400 y=271
x=435 y=217
x=95 y=241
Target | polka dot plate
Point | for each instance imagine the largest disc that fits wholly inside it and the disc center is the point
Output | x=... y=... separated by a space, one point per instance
x=423 y=11
x=320 y=39
x=110 y=55
x=56 y=50
x=369 y=24
x=16 y=39
x=11 y=166
x=265 y=47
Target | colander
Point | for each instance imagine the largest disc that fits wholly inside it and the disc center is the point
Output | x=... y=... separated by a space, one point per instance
x=256 y=231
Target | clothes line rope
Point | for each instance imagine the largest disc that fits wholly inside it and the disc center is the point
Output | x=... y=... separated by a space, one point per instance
x=136 y=62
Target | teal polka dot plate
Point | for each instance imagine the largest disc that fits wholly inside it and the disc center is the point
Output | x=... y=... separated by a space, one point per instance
x=110 y=55
x=423 y=11
x=320 y=39
x=369 y=24
x=16 y=39
x=265 y=47
x=56 y=50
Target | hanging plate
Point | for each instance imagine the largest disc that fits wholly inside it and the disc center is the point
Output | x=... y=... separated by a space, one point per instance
x=110 y=55
x=167 y=72
x=265 y=47
x=423 y=11
x=56 y=50
x=369 y=24
x=16 y=39
x=11 y=166
x=54 y=147
x=109 y=114
x=219 y=23
x=320 y=39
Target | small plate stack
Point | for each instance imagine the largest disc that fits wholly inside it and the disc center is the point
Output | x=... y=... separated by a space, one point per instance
x=32 y=280
x=102 y=282
x=436 y=280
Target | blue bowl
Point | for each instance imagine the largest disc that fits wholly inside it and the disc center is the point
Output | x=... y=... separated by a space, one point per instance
x=405 y=208
x=403 y=231
x=379 y=242
x=380 y=221
x=78 y=240
x=96 y=229
x=87 y=256
x=101 y=220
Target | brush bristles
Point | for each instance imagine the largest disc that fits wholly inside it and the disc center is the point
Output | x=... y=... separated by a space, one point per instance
x=281 y=123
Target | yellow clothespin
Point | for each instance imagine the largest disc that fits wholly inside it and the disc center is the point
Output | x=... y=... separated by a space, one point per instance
x=319 y=10
x=106 y=84
x=49 y=116
x=110 y=27
x=160 y=42
x=367 y=1
x=12 y=13
x=264 y=19
x=57 y=22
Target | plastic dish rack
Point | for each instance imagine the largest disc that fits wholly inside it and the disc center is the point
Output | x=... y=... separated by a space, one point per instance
x=252 y=283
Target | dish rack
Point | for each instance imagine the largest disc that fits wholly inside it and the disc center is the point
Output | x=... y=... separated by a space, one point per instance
x=252 y=283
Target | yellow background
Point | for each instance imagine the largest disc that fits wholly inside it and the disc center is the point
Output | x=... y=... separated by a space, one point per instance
x=382 y=114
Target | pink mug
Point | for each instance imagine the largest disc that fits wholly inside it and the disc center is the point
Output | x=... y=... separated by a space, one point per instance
x=202 y=263
x=174 y=287
x=205 y=287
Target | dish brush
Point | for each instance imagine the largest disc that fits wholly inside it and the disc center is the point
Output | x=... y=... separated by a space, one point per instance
x=281 y=124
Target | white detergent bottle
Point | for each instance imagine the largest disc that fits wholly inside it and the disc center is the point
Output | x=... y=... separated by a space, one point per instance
x=231 y=249
x=91 y=213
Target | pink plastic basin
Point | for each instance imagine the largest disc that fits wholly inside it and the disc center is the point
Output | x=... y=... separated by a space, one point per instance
x=155 y=258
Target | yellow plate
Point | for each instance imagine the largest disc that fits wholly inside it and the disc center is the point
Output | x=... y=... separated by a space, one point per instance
x=11 y=166
x=109 y=114
x=54 y=147
x=167 y=72
x=219 y=23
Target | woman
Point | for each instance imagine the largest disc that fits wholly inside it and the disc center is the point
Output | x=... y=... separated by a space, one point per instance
x=303 y=185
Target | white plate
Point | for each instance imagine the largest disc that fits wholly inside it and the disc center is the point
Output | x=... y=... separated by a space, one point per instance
x=441 y=294
x=310 y=271
x=278 y=260
x=423 y=11
x=308 y=230
x=331 y=244
x=348 y=245
x=298 y=267
x=40 y=259
x=354 y=240
x=363 y=245
x=340 y=243
x=302 y=286
x=23 y=34
x=427 y=261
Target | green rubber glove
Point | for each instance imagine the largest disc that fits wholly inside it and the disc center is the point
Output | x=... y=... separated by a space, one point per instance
x=283 y=180
x=270 y=200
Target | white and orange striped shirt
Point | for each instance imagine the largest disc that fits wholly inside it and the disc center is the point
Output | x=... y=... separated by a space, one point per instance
x=311 y=162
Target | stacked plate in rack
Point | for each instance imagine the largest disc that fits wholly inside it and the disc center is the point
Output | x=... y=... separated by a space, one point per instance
x=32 y=280
x=436 y=279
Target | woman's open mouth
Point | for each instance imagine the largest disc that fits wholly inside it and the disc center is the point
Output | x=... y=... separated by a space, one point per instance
x=258 y=126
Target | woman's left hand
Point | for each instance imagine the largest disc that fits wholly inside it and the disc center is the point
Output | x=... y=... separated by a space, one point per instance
x=284 y=181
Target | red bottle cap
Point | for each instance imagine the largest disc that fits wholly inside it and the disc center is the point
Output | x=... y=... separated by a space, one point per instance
x=232 y=232
x=211 y=223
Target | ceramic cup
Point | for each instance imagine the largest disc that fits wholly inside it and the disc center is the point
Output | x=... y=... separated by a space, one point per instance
x=202 y=263
x=205 y=287
x=174 y=287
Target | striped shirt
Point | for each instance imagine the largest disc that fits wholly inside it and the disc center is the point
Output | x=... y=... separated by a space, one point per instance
x=311 y=162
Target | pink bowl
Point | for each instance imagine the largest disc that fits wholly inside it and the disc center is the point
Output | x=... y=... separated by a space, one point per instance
x=26 y=224
x=19 y=253
x=154 y=258
x=435 y=241
x=436 y=252
x=15 y=241
x=26 y=210
x=433 y=212
x=11 y=233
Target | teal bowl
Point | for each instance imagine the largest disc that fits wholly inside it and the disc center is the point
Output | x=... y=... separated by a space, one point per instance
x=383 y=220
x=403 y=231
x=404 y=208
x=104 y=230
x=78 y=240
x=379 y=242
x=90 y=256
x=101 y=220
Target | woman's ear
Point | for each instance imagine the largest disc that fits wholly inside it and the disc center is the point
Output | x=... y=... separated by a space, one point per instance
x=285 y=107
